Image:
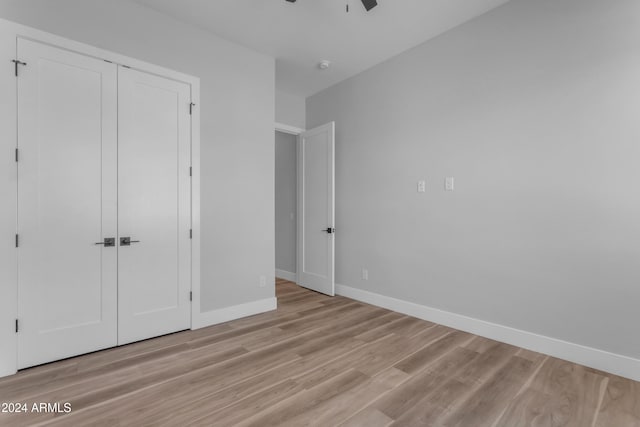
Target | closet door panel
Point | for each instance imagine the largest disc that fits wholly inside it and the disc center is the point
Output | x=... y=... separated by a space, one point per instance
x=154 y=205
x=67 y=127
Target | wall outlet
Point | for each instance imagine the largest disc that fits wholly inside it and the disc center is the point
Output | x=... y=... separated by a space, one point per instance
x=365 y=274
x=422 y=186
x=263 y=281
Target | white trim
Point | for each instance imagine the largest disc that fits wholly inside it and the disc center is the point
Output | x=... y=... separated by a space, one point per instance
x=598 y=359
x=227 y=314
x=8 y=211
x=287 y=275
x=292 y=130
x=195 y=205
x=39 y=36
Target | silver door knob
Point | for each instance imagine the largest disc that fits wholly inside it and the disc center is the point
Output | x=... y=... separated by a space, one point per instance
x=108 y=242
x=126 y=241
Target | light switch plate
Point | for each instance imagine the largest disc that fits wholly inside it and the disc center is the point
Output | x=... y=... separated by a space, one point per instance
x=449 y=183
x=422 y=186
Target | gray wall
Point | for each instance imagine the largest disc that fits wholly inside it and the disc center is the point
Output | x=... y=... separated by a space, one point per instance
x=534 y=109
x=237 y=113
x=286 y=188
x=290 y=109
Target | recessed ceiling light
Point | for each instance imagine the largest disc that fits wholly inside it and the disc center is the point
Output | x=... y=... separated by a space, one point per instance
x=323 y=65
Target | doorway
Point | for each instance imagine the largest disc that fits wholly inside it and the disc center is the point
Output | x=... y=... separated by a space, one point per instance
x=285 y=205
x=305 y=207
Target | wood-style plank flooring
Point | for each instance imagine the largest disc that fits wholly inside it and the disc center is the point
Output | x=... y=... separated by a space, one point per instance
x=326 y=362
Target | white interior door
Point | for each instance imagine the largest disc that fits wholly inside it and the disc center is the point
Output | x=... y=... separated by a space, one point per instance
x=154 y=149
x=316 y=216
x=67 y=127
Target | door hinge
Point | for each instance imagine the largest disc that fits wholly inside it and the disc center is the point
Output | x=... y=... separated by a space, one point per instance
x=16 y=154
x=16 y=63
x=17 y=328
x=191 y=296
x=17 y=240
x=191 y=105
x=190 y=171
x=191 y=233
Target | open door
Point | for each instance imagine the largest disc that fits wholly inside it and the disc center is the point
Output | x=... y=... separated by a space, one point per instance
x=316 y=214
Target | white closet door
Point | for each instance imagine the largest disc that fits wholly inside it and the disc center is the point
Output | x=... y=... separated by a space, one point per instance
x=67 y=172
x=154 y=277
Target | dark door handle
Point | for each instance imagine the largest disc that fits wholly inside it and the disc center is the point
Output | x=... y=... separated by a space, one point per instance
x=126 y=241
x=108 y=242
x=329 y=230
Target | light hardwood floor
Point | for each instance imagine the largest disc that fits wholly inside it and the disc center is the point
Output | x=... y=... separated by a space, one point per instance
x=326 y=362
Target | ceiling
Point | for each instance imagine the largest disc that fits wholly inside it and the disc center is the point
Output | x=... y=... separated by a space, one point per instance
x=299 y=35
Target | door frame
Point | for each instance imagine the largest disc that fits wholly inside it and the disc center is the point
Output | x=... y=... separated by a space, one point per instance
x=295 y=131
x=291 y=130
x=10 y=32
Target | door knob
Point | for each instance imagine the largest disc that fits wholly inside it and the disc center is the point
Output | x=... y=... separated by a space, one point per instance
x=126 y=241
x=329 y=230
x=108 y=242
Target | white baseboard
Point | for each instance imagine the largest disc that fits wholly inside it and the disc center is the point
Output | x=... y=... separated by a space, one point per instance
x=287 y=275
x=617 y=364
x=227 y=314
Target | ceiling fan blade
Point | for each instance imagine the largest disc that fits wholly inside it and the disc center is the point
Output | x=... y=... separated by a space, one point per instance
x=369 y=4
